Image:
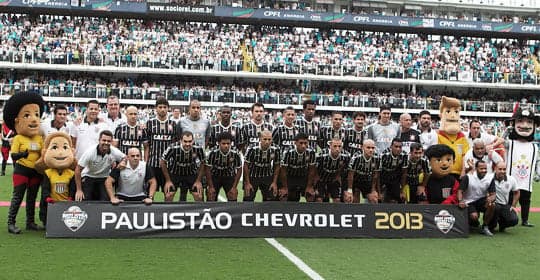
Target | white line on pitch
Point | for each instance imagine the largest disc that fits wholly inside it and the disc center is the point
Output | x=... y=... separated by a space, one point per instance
x=289 y=255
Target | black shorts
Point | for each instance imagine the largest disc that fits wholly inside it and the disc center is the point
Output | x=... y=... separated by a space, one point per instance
x=332 y=188
x=262 y=184
x=504 y=216
x=297 y=184
x=391 y=190
x=184 y=182
x=477 y=206
x=159 y=178
x=362 y=186
x=222 y=182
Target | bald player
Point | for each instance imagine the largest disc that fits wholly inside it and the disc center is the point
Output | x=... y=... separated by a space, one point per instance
x=407 y=134
x=261 y=169
x=130 y=134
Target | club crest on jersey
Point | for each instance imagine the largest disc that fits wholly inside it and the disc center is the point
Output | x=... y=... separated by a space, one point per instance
x=444 y=221
x=74 y=218
x=60 y=187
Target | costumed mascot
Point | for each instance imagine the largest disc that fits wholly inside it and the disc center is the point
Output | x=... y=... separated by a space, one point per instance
x=22 y=113
x=522 y=154
x=57 y=164
x=450 y=132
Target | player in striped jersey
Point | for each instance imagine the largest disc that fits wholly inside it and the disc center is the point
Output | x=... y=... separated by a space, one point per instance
x=363 y=176
x=394 y=164
x=297 y=171
x=160 y=133
x=224 y=125
x=283 y=135
x=307 y=125
x=183 y=168
x=223 y=166
x=336 y=130
x=354 y=136
x=261 y=169
x=251 y=131
x=331 y=164
x=417 y=165
x=130 y=134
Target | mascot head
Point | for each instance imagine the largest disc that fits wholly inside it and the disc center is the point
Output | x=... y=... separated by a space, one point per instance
x=523 y=123
x=449 y=114
x=58 y=152
x=22 y=113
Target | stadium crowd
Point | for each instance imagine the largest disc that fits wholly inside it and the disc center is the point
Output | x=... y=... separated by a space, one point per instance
x=233 y=47
x=291 y=157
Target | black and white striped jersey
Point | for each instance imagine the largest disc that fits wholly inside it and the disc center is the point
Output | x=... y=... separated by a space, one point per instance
x=262 y=163
x=328 y=167
x=311 y=129
x=250 y=133
x=297 y=164
x=283 y=136
x=364 y=168
x=129 y=137
x=233 y=128
x=392 y=166
x=415 y=168
x=183 y=162
x=223 y=164
x=328 y=133
x=159 y=135
x=353 y=140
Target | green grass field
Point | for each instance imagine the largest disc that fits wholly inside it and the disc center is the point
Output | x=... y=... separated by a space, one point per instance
x=510 y=255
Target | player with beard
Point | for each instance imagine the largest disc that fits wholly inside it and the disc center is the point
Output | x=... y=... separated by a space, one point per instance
x=477 y=194
x=336 y=130
x=160 y=133
x=283 y=136
x=94 y=167
x=523 y=157
x=225 y=125
x=261 y=169
x=428 y=136
x=363 y=175
x=182 y=165
x=354 y=136
x=251 y=131
x=309 y=126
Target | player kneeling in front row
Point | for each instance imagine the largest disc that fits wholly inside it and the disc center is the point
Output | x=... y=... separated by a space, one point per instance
x=505 y=212
x=182 y=166
x=331 y=165
x=132 y=180
x=261 y=169
x=477 y=194
x=223 y=166
x=363 y=175
x=297 y=171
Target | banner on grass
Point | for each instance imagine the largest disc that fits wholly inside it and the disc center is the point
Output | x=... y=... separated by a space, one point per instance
x=103 y=220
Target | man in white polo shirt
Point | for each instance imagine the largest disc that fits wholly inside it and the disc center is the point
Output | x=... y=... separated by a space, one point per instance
x=85 y=133
x=132 y=181
x=57 y=123
x=93 y=168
